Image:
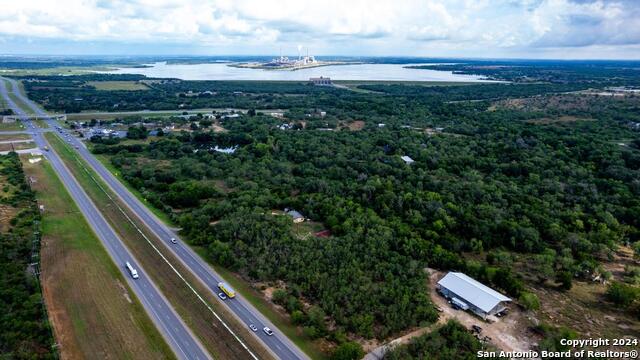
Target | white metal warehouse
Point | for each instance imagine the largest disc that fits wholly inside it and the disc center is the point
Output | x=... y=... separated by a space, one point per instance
x=480 y=298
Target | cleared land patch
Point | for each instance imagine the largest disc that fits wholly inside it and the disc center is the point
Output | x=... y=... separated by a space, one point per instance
x=561 y=119
x=17 y=146
x=93 y=311
x=9 y=137
x=118 y=85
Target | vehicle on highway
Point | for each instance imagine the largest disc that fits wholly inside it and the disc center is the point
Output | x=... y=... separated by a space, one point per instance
x=132 y=270
x=267 y=331
x=253 y=327
x=222 y=296
x=46 y=148
x=227 y=289
x=174 y=241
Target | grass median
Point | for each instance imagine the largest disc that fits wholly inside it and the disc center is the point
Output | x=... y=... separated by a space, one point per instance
x=157 y=212
x=196 y=311
x=93 y=311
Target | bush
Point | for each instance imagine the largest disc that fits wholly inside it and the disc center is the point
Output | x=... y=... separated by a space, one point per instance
x=348 y=351
x=565 y=278
x=622 y=294
x=553 y=336
x=450 y=341
x=530 y=301
x=279 y=297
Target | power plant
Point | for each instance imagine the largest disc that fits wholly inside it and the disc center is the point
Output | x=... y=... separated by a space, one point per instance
x=285 y=61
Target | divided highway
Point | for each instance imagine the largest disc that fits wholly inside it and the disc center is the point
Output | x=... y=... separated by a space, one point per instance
x=278 y=343
x=184 y=344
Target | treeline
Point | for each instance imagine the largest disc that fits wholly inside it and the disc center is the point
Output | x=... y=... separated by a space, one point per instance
x=25 y=331
x=553 y=71
x=475 y=92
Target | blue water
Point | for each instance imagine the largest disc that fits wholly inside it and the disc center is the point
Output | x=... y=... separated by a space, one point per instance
x=220 y=71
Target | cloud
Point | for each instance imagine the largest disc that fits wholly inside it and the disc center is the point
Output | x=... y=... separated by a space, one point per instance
x=413 y=27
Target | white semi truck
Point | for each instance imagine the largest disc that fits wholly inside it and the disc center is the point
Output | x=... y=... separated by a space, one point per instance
x=132 y=271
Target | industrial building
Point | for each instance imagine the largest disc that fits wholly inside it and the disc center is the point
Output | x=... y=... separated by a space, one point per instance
x=469 y=294
x=321 y=81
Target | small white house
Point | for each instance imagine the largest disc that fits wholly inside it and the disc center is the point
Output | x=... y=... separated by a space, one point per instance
x=296 y=216
x=407 y=159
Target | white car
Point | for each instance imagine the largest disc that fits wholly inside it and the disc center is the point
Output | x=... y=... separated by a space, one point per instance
x=253 y=327
x=267 y=331
x=222 y=296
x=174 y=241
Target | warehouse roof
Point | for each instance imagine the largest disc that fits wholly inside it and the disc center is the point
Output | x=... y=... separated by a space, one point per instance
x=472 y=291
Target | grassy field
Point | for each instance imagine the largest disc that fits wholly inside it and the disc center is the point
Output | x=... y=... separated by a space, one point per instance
x=353 y=84
x=118 y=85
x=92 y=309
x=17 y=146
x=147 y=113
x=7 y=137
x=193 y=311
x=42 y=124
x=60 y=70
x=13 y=97
x=14 y=126
x=3 y=104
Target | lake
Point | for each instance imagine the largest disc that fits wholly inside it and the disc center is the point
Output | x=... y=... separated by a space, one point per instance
x=220 y=71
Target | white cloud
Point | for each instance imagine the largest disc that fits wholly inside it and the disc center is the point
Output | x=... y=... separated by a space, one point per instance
x=404 y=26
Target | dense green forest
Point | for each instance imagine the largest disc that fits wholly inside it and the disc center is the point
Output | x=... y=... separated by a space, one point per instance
x=450 y=341
x=559 y=183
x=553 y=71
x=25 y=331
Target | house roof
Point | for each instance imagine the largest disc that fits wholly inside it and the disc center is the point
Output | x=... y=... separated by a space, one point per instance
x=407 y=159
x=472 y=291
x=295 y=214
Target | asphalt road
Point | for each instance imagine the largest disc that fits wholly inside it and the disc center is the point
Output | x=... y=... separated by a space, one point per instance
x=278 y=343
x=178 y=336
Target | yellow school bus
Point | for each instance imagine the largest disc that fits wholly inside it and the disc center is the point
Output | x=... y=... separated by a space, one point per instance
x=227 y=289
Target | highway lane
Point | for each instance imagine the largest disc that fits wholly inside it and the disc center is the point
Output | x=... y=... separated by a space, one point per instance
x=278 y=343
x=184 y=344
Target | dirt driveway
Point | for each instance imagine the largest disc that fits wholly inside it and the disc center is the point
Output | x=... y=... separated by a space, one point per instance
x=509 y=333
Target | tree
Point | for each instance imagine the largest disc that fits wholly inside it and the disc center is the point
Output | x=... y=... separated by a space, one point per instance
x=348 y=351
x=279 y=296
x=565 y=278
x=636 y=248
x=137 y=132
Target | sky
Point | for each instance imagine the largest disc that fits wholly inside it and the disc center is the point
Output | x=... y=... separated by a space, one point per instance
x=558 y=29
